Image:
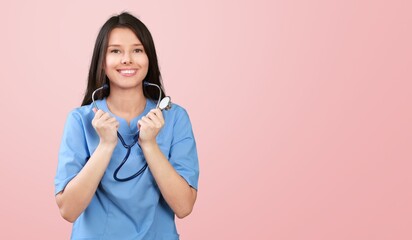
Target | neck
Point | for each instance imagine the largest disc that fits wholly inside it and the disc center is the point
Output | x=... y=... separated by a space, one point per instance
x=126 y=103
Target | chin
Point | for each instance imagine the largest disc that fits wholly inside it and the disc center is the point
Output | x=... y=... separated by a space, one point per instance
x=127 y=85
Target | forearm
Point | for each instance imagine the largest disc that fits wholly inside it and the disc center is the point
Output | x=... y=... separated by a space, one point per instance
x=78 y=193
x=174 y=188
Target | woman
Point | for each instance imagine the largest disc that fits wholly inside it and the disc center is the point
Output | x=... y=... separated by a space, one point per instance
x=103 y=198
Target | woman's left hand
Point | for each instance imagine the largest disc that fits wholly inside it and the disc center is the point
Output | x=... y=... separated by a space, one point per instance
x=149 y=126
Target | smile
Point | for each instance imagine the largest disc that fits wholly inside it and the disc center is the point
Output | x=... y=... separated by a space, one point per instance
x=127 y=72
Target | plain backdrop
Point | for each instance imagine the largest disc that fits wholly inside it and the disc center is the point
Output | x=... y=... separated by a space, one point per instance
x=301 y=111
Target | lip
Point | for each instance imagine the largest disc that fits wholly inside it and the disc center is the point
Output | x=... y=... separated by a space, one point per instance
x=127 y=72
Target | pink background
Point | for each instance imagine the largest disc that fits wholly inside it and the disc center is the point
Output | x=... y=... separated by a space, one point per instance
x=301 y=109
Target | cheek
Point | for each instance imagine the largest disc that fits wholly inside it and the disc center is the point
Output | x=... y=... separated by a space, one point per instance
x=143 y=60
x=109 y=67
x=146 y=66
x=110 y=62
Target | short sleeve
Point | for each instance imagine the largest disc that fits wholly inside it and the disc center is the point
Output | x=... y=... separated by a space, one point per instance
x=73 y=152
x=183 y=153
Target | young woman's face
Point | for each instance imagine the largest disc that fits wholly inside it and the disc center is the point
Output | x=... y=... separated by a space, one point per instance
x=126 y=60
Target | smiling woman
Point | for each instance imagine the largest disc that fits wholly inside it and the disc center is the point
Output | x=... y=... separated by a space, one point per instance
x=126 y=61
x=88 y=191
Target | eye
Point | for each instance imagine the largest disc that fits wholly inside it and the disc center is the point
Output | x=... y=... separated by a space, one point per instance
x=115 y=51
x=138 y=50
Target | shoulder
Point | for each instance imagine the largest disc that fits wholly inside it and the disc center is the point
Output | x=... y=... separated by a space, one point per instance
x=80 y=114
x=177 y=121
x=176 y=112
x=178 y=109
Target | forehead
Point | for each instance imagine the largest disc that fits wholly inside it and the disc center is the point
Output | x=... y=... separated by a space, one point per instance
x=123 y=36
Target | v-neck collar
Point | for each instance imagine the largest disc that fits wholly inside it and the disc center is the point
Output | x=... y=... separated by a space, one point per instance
x=124 y=127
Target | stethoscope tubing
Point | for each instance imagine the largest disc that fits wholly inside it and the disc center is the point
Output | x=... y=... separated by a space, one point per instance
x=125 y=145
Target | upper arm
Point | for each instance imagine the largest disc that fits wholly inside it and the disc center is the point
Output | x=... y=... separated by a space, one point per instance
x=73 y=152
x=183 y=152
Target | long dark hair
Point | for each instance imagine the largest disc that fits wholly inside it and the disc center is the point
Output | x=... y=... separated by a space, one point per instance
x=97 y=76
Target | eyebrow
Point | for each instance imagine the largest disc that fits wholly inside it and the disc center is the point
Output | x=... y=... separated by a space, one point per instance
x=118 y=45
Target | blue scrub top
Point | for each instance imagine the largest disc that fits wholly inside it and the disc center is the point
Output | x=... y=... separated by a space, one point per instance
x=134 y=209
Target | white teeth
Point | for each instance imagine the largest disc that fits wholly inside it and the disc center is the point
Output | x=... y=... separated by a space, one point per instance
x=127 y=71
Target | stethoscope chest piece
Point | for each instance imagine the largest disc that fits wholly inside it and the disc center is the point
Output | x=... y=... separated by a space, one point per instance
x=165 y=103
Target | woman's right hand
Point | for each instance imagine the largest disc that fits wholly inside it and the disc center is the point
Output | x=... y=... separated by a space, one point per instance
x=106 y=127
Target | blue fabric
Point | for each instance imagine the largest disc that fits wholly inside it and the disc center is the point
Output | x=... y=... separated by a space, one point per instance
x=134 y=209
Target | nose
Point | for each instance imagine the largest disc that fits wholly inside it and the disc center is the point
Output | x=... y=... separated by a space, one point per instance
x=126 y=59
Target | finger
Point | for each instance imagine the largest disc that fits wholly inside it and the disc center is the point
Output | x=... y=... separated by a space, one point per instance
x=146 y=122
x=151 y=115
x=155 y=119
x=98 y=114
x=158 y=114
x=105 y=117
x=112 y=123
x=139 y=124
x=111 y=119
x=94 y=110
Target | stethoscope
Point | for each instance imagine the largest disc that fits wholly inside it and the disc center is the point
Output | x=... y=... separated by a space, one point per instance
x=162 y=104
